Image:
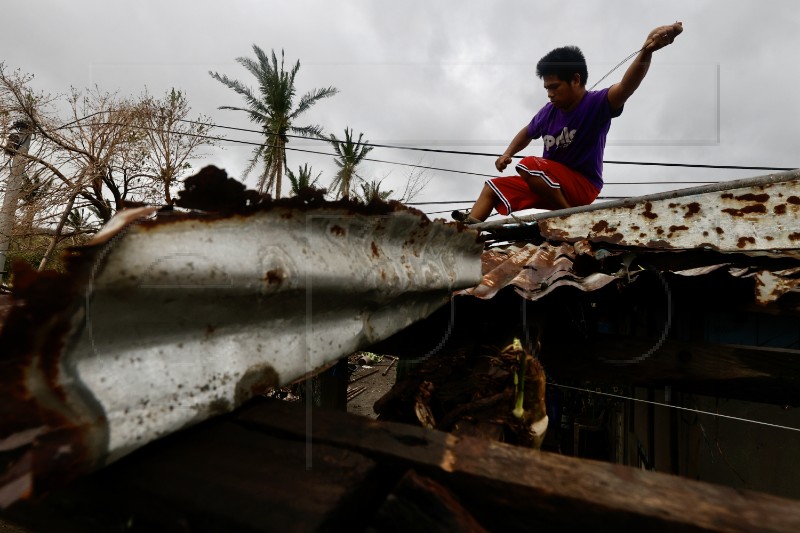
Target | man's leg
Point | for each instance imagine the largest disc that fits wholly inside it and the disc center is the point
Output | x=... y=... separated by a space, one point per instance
x=553 y=197
x=484 y=204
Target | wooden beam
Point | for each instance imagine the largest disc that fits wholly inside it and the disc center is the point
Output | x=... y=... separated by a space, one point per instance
x=512 y=488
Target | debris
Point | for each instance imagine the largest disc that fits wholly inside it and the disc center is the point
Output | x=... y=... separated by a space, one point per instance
x=474 y=393
x=394 y=360
x=352 y=393
x=368 y=374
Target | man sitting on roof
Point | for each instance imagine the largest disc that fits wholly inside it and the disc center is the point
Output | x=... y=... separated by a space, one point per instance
x=573 y=127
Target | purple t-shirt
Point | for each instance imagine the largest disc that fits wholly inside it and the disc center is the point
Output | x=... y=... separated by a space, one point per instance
x=576 y=139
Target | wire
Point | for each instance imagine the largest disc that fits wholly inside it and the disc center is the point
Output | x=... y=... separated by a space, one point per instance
x=615 y=68
x=691 y=165
x=442 y=202
x=251 y=143
x=461 y=152
x=620 y=397
x=431 y=150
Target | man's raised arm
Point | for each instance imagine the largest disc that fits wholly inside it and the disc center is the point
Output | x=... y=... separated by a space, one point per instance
x=520 y=141
x=660 y=37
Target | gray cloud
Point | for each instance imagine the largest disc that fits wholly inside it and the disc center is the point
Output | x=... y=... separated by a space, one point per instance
x=432 y=73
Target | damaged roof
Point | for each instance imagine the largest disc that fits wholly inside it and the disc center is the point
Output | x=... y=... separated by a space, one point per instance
x=163 y=322
x=748 y=228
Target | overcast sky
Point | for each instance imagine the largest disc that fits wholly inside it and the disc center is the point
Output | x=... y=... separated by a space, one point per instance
x=455 y=75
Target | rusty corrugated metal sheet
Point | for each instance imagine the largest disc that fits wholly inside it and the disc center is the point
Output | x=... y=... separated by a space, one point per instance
x=535 y=270
x=757 y=217
x=175 y=319
x=761 y=213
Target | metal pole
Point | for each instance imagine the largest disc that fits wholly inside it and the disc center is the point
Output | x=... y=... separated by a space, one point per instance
x=679 y=193
x=14 y=186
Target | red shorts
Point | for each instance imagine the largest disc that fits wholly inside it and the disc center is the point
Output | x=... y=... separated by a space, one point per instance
x=514 y=194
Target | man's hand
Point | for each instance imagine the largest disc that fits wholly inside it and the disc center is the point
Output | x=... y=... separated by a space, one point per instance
x=502 y=162
x=662 y=36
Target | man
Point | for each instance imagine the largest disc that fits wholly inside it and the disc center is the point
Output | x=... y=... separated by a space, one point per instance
x=573 y=127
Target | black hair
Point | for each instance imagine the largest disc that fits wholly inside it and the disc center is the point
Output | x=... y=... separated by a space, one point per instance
x=564 y=62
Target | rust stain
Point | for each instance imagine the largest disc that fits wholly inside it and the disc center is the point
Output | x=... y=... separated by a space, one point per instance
x=720 y=231
x=648 y=213
x=616 y=238
x=744 y=240
x=551 y=233
x=705 y=234
x=692 y=209
x=55 y=444
x=660 y=230
x=750 y=197
x=274 y=277
x=600 y=226
x=727 y=195
x=770 y=238
x=758 y=208
x=794 y=200
x=794 y=236
x=375 y=252
x=659 y=243
x=635 y=228
x=673 y=229
x=338 y=230
x=779 y=209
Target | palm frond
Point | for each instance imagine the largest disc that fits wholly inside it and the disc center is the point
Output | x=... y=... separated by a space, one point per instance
x=272 y=108
x=311 y=98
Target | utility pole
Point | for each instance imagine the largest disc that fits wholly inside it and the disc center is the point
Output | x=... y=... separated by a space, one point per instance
x=16 y=146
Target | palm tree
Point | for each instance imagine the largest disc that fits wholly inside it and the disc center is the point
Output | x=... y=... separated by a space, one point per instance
x=79 y=221
x=350 y=154
x=302 y=181
x=272 y=108
x=371 y=191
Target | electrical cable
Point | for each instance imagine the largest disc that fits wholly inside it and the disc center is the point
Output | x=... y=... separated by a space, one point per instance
x=251 y=143
x=621 y=397
x=461 y=152
x=432 y=150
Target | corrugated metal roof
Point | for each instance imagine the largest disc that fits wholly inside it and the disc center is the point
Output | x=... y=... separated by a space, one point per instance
x=172 y=320
x=757 y=218
x=536 y=270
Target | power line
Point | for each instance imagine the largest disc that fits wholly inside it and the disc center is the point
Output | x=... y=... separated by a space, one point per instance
x=461 y=152
x=427 y=167
x=432 y=150
x=661 y=404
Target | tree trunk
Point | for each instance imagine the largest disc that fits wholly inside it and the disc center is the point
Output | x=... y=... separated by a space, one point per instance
x=279 y=174
x=167 y=183
x=51 y=248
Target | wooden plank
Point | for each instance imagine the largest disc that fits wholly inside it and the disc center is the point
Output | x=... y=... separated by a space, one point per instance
x=218 y=477
x=509 y=487
x=420 y=504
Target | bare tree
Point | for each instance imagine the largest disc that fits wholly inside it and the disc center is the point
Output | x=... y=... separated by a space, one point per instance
x=416 y=183
x=171 y=139
x=96 y=157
